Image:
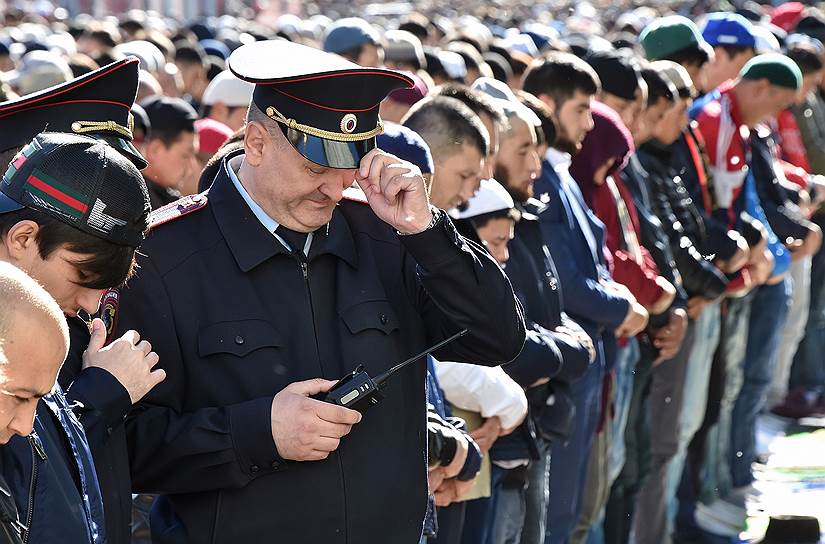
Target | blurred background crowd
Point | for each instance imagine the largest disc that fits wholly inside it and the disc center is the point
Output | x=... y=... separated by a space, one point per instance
x=674 y=155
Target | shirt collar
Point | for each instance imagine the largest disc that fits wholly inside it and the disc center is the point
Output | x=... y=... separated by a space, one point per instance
x=247 y=234
x=234 y=164
x=558 y=159
x=266 y=220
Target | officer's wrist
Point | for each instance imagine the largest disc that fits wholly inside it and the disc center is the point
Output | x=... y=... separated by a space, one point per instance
x=435 y=215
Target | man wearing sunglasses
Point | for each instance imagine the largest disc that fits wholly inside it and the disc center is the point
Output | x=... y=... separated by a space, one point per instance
x=259 y=300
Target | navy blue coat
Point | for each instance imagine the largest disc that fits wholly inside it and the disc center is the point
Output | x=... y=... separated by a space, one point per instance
x=579 y=260
x=101 y=404
x=235 y=319
x=52 y=478
x=546 y=354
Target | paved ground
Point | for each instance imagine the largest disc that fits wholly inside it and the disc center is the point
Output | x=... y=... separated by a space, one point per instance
x=793 y=479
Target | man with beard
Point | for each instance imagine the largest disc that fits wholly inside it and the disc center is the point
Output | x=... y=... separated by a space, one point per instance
x=535 y=281
x=575 y=237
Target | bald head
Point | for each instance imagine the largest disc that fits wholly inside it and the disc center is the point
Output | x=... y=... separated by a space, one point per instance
x=34 y=340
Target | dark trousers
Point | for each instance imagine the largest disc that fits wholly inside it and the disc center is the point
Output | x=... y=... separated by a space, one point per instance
x=621 y=502
x=499 y=518
x=768 y=312
x=568 y=471
x=450 y=524
x=808 y=369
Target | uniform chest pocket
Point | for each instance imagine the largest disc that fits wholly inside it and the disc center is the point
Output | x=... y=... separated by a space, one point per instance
x=239 y=338
x=372 y=314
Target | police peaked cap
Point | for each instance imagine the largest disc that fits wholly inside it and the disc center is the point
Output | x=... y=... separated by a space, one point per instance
x=95 y=104
x=326 y=105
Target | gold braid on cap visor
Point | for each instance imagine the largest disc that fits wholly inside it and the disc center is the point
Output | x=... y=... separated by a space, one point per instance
x=275 y=115
x=81 y=127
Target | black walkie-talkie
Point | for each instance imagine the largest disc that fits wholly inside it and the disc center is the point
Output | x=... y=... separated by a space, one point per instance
x=358 y=391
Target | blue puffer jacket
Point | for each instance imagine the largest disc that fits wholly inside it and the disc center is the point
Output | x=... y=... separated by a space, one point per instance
x=52 y=478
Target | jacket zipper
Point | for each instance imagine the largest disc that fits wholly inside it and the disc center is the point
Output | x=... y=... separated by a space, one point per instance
x=305 y=273
x=37 y=451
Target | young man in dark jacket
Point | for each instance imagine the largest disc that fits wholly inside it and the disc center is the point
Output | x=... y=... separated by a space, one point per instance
x=703 y=283
x=556 y=352
x=75 y=240
x=100 y=385
x=574 y=236
x=656 y=238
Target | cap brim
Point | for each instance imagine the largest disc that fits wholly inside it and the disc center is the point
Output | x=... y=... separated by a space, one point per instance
x=328 y=153
x=127 y=148
x=7 y=204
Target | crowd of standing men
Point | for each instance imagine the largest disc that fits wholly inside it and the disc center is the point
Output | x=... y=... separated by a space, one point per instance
x=616 y=219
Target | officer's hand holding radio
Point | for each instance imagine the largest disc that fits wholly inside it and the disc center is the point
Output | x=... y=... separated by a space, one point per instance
x=305 y=429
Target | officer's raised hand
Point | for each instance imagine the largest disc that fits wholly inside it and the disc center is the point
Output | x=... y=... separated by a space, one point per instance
x=129 y=359
x=395 y=191
x=306 y=429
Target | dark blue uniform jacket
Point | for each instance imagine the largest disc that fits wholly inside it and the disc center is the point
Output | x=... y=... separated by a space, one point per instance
x=235 y=318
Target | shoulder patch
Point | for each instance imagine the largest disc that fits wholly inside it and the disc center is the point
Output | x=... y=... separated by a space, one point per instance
x=109 y=306
x=355 y=194
x=533 y=207
x=179 y=208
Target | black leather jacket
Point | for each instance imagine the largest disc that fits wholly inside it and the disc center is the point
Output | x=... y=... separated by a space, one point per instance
x=715 y=240
x=682 y=221
x=784 y=216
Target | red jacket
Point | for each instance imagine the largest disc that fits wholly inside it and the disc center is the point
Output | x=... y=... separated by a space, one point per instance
x=632 y=264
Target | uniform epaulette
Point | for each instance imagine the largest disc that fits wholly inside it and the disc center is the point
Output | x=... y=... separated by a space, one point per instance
x=179 y=208
x=355 y=194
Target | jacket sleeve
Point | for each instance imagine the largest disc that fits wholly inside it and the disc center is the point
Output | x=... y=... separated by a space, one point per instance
x=172 y=451
x=584 y=297
x=653 y=237
x=574 y=354
x=98 y=400
x=640 y=280
x=699 y=277
x=718 y=242
x=457 y=285
x=784 y=217
x=540 y=358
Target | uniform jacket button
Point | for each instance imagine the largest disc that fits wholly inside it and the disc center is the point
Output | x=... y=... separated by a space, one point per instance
x=276 y=465
x=254 y=468
x=239 y=340
x=383 y=319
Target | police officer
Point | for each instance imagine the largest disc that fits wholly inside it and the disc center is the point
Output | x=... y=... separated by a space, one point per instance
x=260 y=293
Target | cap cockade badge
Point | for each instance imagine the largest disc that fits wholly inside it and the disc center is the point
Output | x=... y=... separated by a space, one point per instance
x=348 y=123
